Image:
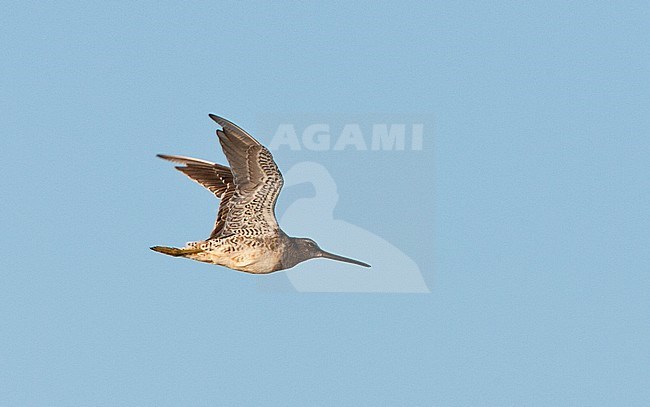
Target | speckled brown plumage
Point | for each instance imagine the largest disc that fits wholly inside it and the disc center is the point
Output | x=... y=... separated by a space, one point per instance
x=246 y=235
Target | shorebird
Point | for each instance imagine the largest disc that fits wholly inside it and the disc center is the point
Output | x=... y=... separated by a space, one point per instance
x=246 y=235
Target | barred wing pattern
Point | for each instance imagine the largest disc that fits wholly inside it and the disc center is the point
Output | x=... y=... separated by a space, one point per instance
x=257 y=179
x=215 y=177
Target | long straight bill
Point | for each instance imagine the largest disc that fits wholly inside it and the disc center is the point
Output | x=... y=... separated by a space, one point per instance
x=336 y=257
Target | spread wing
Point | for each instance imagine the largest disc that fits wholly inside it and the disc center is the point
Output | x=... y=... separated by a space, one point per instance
x=215 y=177
x=257 y=182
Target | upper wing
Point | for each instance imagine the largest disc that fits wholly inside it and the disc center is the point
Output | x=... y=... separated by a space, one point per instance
x=215 y=177
x=251 y=210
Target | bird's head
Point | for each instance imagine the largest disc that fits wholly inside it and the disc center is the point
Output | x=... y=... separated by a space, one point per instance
x=304 y=249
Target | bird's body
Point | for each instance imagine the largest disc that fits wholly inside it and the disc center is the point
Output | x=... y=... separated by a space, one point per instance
x=246 y=236
x=249 y=254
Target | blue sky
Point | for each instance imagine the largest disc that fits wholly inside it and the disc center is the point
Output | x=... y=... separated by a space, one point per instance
x=526 y=210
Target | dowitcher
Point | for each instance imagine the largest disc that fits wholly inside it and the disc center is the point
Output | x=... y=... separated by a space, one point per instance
x=246 y=235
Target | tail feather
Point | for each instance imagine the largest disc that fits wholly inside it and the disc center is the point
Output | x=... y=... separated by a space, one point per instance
x=173 y=251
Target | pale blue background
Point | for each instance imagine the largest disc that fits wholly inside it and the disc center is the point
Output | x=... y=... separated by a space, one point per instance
x=531 y=225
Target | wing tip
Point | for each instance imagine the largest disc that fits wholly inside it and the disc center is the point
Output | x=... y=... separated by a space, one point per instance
x=230 y=127
x=171 y=158
x=218 y=119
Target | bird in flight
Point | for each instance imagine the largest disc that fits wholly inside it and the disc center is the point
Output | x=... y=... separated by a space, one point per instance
x=246 y=235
